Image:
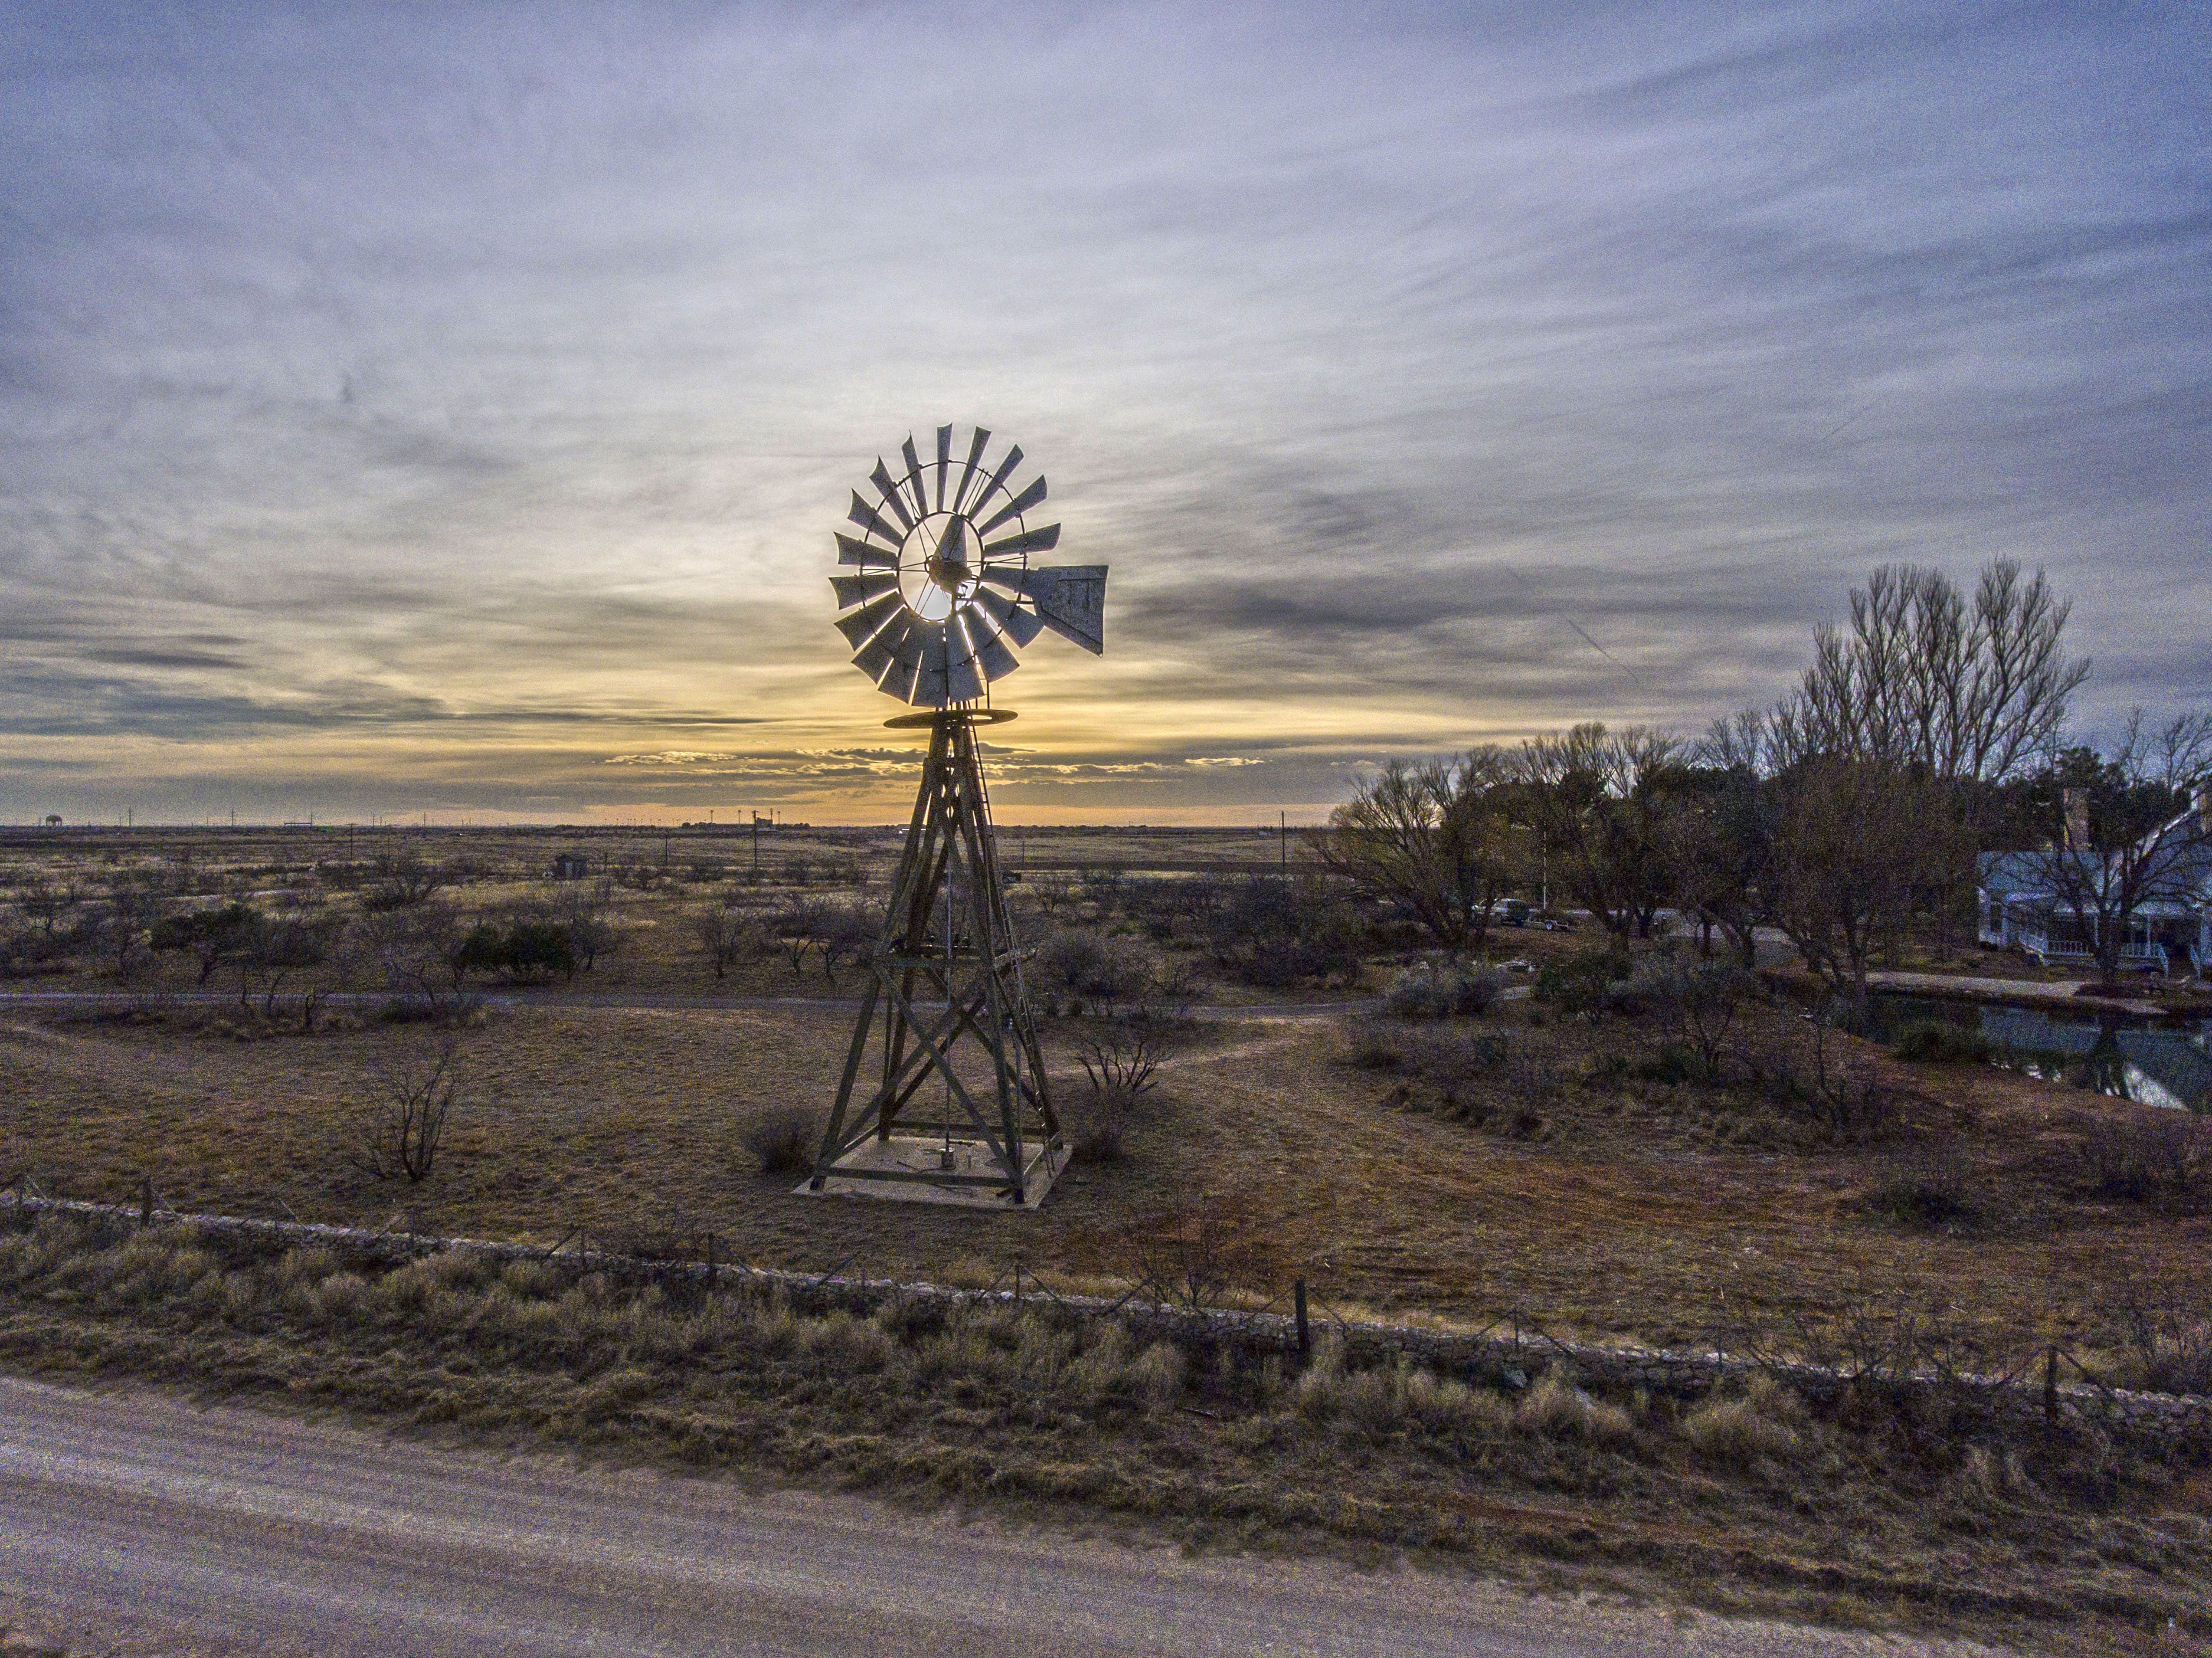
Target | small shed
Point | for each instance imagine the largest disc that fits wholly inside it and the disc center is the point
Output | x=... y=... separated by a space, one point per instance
x=571 y=866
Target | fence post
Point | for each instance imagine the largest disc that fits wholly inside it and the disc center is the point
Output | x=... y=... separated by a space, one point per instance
x=145 y=1202
x=2050 y=1386
x=1305 y=1333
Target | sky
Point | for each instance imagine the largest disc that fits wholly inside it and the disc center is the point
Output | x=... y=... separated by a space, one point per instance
x=444 y=410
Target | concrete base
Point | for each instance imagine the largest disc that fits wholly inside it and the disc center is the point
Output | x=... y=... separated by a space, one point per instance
x=912 y=1171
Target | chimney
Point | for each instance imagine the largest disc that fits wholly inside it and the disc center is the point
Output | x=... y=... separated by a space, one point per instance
x=2204 y=810
x=2077 y=819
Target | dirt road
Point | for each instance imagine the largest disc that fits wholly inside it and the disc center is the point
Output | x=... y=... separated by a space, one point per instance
x=138 y=1523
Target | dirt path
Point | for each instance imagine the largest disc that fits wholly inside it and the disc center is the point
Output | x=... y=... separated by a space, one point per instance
x=135 y=1523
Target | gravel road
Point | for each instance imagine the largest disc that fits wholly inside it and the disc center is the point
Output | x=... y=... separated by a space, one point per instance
x=135 y=1523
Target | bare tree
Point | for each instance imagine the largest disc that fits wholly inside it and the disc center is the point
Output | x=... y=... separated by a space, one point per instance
x=849 y=934
x=404 y=882
x=399 y=1133
x=50 y=905
x=725 y=937
x=1924 y=678
x=1599 y=800
x=801 y=925
x=1434 y=840
x=2128 y=829
x=273 y=950
x=1844 y=839
x=133 y=908
x=413 y=949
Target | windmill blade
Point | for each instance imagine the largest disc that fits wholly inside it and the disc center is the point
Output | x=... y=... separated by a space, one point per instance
x=858 y=590
x=1015 y=507
x=898 y=677
x=952 y=546
x=1022 y=626
x=913 y=479
x=882 y=651
x=944 y=460
x=967 y=472
x=850 y=552
x=861 y=626
x=997 y=478
x=1043 y=539
x=881 y=477
x=983 y=632
x=1071 y=599
x=964 y=680
x=928 y=690
x=871 y=520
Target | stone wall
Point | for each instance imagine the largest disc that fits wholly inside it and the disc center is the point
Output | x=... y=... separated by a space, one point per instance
x=2164 y=1420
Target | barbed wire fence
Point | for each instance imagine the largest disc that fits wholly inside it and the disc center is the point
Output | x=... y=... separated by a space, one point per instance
x=1929 y=1368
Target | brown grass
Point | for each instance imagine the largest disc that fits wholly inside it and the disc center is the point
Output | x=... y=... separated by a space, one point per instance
x=1634 y=1212
x=1839 y=1514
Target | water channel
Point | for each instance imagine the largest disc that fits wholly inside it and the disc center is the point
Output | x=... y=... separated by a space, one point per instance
x=2155 y=1062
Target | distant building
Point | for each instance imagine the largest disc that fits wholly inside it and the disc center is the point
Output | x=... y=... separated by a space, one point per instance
x=571 y=866
x=2171 y=929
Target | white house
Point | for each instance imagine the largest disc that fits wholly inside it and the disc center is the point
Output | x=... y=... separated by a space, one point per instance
x=2171 y=930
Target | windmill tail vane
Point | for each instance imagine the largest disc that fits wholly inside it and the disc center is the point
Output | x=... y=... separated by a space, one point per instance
x=937 y=589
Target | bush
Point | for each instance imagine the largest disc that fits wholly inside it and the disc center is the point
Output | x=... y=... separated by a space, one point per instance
x=1078 y=963
x=1096 y=1126
x=1741 y=1433
x=1431 y=990
x=1925 y=1186
x=784 y=1140
x=1939 y=1042
x=1578 y=985
x=399 y=1133
x=2148 y=1155
x=1271 y=933
x=1557 y=1409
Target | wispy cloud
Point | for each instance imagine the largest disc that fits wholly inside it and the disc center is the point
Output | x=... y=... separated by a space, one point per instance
x=456 y=407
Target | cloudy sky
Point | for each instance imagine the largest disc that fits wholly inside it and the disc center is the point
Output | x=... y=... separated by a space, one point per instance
x=447 y=409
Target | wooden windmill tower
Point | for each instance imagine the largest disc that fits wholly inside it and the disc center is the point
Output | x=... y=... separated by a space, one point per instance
x=944 y=1096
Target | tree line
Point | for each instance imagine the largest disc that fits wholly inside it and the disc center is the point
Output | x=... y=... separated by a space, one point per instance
x=1933 y=728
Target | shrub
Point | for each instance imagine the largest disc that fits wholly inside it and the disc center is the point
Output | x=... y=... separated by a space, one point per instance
x=1557 y=1409
x=400 y=1132
x=1937 y=1041
x=1271 y=933
x=1741 y=1433
x=2168 y=1344
x=2149 y=1156
x=1437 y=989
x=1578 y=983
x=783 y=1139
x=1079 y=962
x=1925 y=1186
x=1374 y=1048
x=1096 y=1124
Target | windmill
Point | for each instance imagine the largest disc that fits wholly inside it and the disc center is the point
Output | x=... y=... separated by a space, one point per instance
x=936 y=590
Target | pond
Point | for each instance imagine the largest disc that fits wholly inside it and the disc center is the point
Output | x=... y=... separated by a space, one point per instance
x=2155 y=1062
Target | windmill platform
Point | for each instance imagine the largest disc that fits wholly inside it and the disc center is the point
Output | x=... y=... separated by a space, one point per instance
x=907 y=1168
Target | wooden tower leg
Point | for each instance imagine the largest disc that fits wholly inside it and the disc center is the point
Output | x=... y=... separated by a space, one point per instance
x=947 y=932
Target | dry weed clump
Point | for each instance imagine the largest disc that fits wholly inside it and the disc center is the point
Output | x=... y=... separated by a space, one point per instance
x=1768 y=1424
x=783 y=1139
x=1556 y=1408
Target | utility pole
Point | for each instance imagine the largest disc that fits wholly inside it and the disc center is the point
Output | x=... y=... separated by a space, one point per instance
x=1283 y=837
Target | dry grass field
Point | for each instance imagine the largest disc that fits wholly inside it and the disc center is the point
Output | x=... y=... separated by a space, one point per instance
x=1553 y=1160
x=1628 y=1208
